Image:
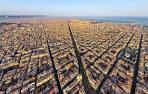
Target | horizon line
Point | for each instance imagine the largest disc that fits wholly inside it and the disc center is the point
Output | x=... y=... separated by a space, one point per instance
x=63 y=16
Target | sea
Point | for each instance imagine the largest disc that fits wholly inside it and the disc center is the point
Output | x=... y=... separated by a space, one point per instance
x=121 y=20
x=128 y=20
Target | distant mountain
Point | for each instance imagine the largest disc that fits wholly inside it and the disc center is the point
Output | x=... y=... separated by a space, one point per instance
x=19 y=16
x=7 y=18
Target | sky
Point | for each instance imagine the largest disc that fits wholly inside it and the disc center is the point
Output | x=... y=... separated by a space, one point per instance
x=75 y=7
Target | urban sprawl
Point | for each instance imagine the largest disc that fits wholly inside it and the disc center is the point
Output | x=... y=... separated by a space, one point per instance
x=73 y=57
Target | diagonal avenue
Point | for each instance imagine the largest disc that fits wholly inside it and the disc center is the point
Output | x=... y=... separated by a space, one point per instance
x=134 y=81
x=85 y=81
x=54 y=69
x=113 y=66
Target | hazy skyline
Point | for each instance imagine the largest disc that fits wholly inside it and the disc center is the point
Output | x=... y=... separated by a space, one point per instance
x=75 y=7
